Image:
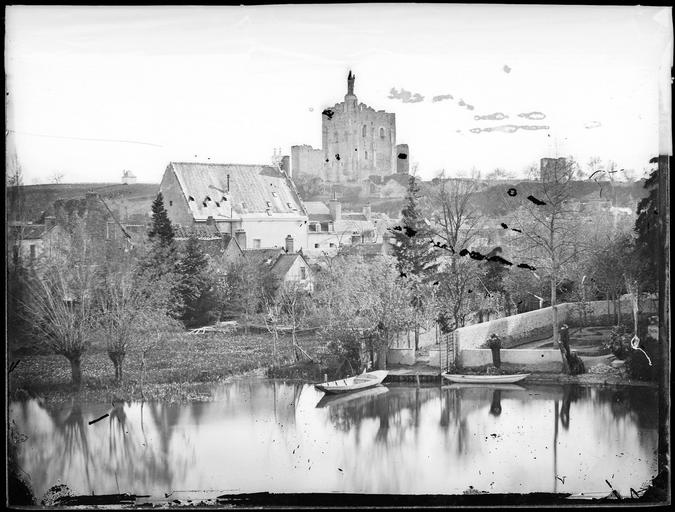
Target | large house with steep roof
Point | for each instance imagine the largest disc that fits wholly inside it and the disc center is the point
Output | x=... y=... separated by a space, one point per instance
x=257 y=205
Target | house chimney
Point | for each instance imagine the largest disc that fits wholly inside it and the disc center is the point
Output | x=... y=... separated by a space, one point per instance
x=367 y=211
x=240 y=237
x=289 y=244
x=335 y=209
x=228 y=182
x=210 y=221
x=50 y=221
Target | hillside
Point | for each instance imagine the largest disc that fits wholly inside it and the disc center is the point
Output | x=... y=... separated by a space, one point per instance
x=129 y=200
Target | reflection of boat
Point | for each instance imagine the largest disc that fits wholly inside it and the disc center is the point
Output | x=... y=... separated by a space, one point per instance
x=363 y=381
x=330 y=400
x=485 y=379
x=501 y=387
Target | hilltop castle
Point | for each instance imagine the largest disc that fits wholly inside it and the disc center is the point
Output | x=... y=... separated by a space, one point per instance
x=357 y=142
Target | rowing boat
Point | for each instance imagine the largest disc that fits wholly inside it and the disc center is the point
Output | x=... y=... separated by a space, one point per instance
x=356 y=397
x=363 y=381
x=485 y=379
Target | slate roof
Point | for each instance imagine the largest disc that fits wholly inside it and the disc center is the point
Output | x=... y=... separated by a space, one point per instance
x=254 y=191
x=284 y=263
x=266 y=255
x=205 y=232
x=33 y=231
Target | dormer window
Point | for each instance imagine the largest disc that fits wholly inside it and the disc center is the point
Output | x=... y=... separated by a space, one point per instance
x=269 y=212
x=274 y=194
x=243 y=205
x=217 y=204
x=269 y=204
x=207 y=198
x=190 y=198
x=289 y=205
x=204 y=203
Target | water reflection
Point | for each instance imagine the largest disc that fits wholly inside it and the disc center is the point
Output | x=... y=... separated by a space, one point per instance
x=275 y=436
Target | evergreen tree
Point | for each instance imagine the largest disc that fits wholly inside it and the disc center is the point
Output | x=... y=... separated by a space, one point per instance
x=161 y=229
x=413 y=249
x=646 y=227
x=196 y=288
x=414 y=252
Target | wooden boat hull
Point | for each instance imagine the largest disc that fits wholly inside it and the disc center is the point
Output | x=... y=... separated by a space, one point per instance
x=356 y=383
x=485 y=379
x=355 y=397
x=495 y=387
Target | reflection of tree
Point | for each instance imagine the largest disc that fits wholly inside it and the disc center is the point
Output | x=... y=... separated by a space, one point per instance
x=570 y=394
x=387 y=408
x=496 y=405
x=73 y=432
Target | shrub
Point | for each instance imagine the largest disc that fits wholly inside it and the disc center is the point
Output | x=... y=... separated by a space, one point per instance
x=619 y=342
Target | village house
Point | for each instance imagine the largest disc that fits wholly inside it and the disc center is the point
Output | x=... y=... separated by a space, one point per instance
x=257 y=205
x=221 y=248
x=31 y=242
x=329 y=228
x=287 y=265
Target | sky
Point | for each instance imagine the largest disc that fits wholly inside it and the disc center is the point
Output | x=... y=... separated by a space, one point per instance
x=93 y=91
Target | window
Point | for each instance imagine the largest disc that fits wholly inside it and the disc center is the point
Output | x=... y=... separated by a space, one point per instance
x=363 y=131
x=303 y=273
x=32 y=252
x=381 y=133
x=316 y=246
x=256 y=243
x=170 y=203
x=331 y=244
x=366 y=155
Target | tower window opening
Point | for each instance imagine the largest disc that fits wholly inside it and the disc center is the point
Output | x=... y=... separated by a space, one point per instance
x=381 y=133
x=363 y=131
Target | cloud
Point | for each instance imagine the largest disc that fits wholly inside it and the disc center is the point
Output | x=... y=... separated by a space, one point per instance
x=405 y=96
x=509 y=128
x=506 y=69
x=497 y=116
x=442 y=97
x=593 y=124
x=462 y=103
x=533 y=116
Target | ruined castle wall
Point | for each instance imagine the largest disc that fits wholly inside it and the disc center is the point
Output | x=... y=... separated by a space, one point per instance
x=307 y=160
x=358 y=141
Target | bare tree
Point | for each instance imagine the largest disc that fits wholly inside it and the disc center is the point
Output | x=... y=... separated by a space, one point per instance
x=62 y=311
x=288 y=308
x=128 y=308
x=456 y=225
x=548 y=230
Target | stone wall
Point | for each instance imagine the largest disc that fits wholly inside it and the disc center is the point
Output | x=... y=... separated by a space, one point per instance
x=480 y=357
x=518 y=329
x=401 y=356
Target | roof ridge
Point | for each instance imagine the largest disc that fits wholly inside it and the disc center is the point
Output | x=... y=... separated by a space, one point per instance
x=216 y=163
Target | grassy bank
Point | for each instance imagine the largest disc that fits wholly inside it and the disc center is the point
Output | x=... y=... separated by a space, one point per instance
x=184 y=367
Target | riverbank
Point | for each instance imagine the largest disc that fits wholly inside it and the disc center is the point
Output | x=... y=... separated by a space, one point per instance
x=598 y=374
x=183 y=368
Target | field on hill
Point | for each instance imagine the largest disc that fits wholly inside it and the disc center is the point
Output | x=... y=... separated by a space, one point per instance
x=128 y=200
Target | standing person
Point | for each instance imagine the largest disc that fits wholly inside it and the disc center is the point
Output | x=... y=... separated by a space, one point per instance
x=495 y=344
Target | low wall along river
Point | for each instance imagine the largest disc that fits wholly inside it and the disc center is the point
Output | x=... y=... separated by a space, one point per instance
x=519 y=329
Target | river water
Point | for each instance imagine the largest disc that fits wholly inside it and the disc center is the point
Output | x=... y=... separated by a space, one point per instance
x=260 y=435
